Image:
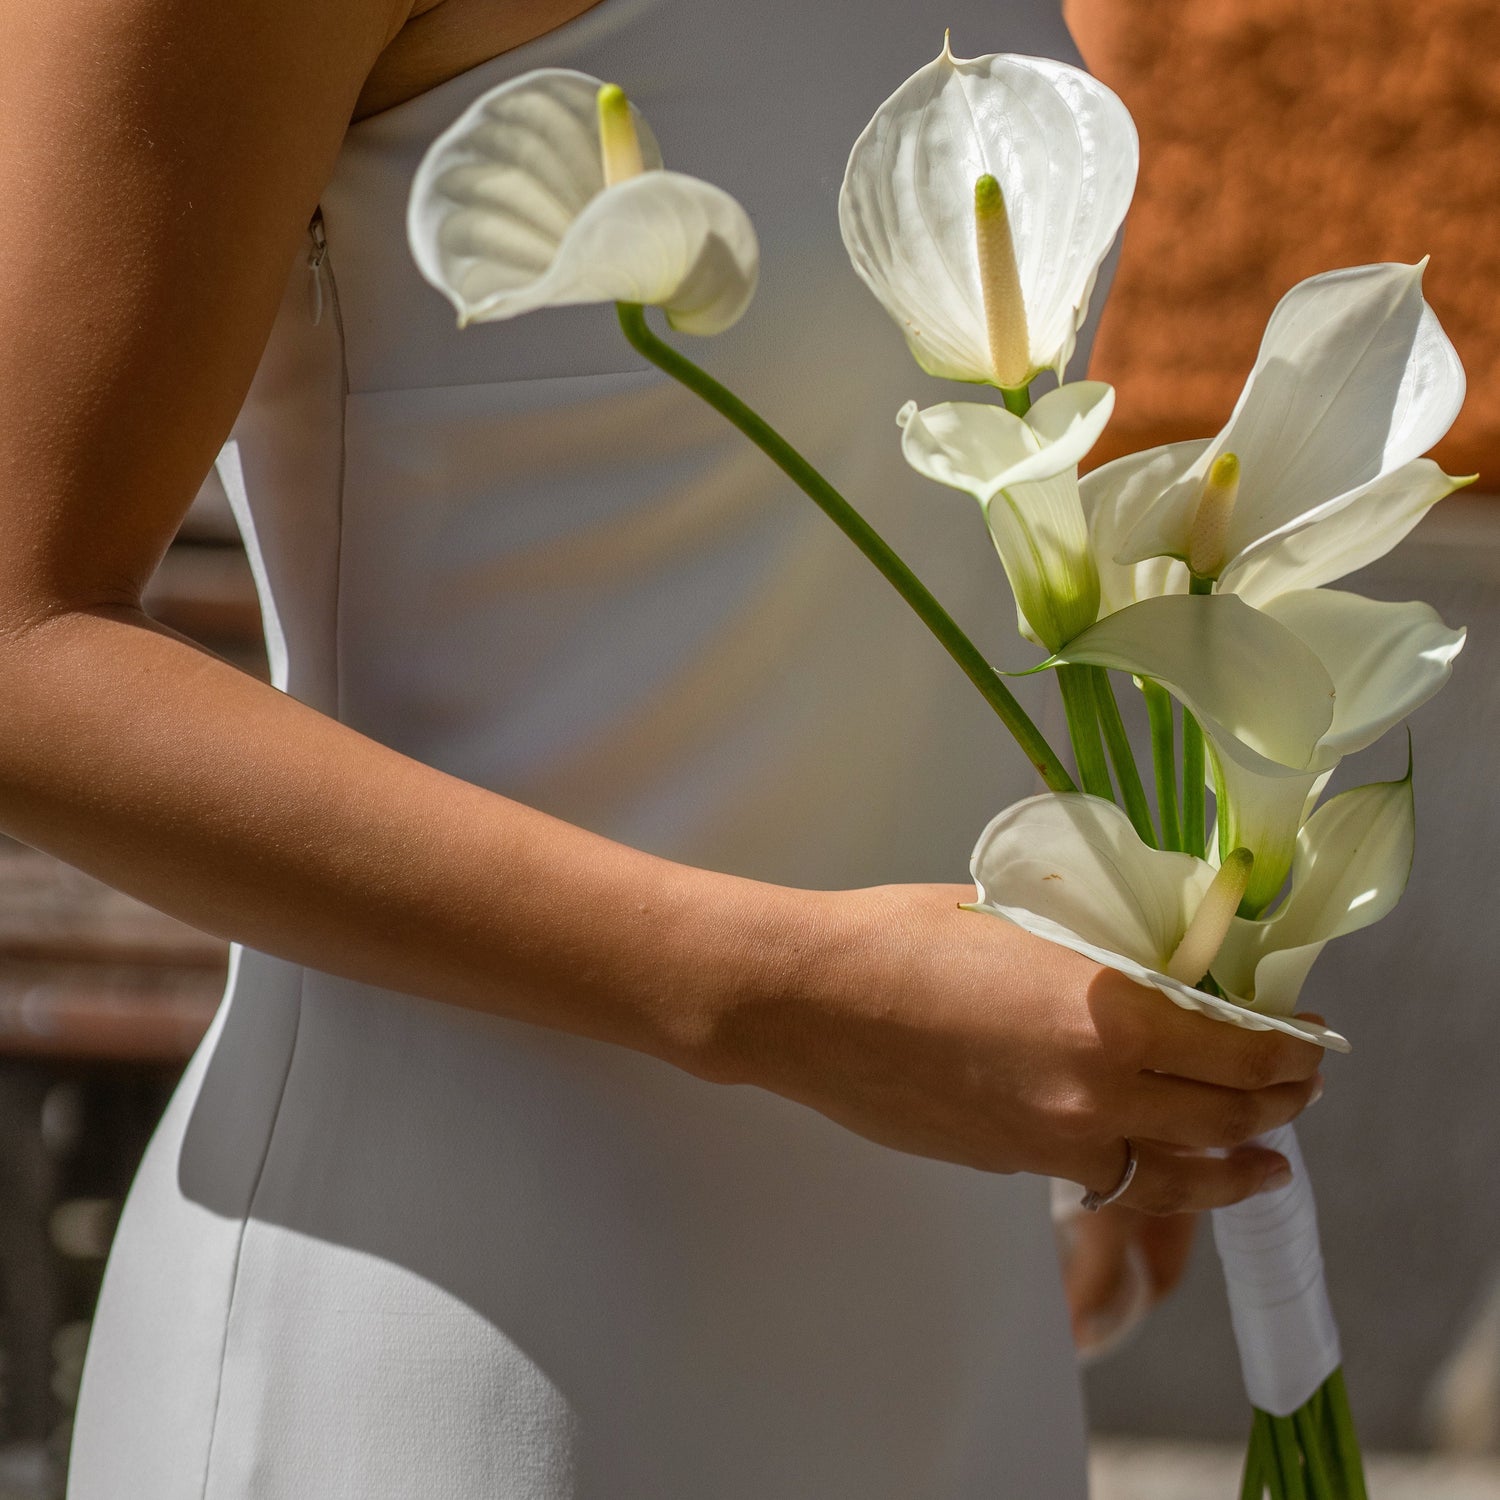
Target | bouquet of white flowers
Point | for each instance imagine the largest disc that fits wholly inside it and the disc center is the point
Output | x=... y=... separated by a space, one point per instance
x=978 y=205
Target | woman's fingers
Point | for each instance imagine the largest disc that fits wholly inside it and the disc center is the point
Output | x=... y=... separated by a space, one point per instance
x=1143 y=1025
x=1202 y=1116
x=1168 y=1181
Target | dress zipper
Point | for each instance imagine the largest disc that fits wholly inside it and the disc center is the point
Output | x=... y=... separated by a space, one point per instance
x=315 y=264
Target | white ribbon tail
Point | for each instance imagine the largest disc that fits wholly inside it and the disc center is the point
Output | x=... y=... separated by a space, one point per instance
x=1278 y=1299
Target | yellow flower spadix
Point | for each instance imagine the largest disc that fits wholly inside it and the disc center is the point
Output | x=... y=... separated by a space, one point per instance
x=1000 y=282
x=617 y=136
x=1206 y=552
x=1210 y=925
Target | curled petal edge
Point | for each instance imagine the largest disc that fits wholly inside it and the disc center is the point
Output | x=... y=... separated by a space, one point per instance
x=662 y=239
x=1182 y=995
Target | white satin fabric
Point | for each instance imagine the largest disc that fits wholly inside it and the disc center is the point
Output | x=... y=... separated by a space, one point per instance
x=384 y=1248
x=1278 y=1295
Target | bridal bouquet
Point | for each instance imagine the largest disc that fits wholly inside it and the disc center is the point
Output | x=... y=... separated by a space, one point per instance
x=977 y=206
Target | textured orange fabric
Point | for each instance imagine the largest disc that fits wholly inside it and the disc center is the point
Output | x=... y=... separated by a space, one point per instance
x=1280 y=138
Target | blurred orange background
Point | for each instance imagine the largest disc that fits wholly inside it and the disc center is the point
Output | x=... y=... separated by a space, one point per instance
x=1281 y=138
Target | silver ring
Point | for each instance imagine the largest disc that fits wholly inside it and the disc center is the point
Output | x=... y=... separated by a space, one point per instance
x=1093 y=1202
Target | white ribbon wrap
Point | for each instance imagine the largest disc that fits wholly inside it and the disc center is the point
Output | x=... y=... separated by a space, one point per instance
x=1273 y=1268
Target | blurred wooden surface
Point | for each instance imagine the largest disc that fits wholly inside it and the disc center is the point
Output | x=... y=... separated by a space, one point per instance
x=1280 y=138
x=88 y=974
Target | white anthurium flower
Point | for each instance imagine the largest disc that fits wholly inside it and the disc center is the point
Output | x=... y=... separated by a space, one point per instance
x=1385 y=661
x=1353 y=858
x=1070 y=868
x=1355 y=379
x=1262 y=695
x=1375 y=518
x=1024 y=473
x=548 y=191
x=978 y=204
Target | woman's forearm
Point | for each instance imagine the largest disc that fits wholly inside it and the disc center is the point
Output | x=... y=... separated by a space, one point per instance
x=166 y=772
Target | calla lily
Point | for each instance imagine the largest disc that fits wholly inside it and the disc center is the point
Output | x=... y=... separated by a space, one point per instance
x=978 y=204
x=1024 y=473
x=1353 y=858
x=1070 y=868
x=1282 y=692
x=1261 y=694
x=1320 y=460
x=548 y=191
x=1376 y=518
x=1385 y=660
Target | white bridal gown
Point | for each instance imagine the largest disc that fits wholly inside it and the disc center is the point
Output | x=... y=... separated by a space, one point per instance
x=382 y=1248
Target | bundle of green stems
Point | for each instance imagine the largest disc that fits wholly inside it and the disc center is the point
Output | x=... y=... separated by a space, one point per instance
x=1312 y=1454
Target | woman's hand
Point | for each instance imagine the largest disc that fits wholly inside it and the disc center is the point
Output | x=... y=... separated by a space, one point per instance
x=954 y=1035
x=1117 y=1264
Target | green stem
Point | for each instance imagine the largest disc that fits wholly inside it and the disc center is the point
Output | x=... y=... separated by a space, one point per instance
x=1253 y=1483
x=1320 y=1481
x=1126 y=772
x=1017 y=401
x=1164 y=762
x=861 y=533
x=1194 y=813
x=1346 y=1444
x=1077 y=686
x=1345 y=1483
x=1288 y=1460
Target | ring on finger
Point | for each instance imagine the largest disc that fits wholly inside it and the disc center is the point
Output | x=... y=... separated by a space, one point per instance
x=1093 y=1202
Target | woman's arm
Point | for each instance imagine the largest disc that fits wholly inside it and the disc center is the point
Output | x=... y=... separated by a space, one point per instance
x=158 y=161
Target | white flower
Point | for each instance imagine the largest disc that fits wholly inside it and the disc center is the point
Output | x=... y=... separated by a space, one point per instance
x=1024 y=473
x=548 y=191
x=1260 y=693
x=978 y=204
x=1282 y=693
x=1353 y=858
x=1385 y=661
x=1318 y=470
x=1070 y=868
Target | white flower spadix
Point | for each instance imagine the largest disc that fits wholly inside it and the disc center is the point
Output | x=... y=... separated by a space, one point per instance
x=1070 y=868
x=548 y=191
x=978 y=204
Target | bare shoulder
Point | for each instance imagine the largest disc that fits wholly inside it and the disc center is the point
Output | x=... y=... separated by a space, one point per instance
x=161 y=159
x=443 y=38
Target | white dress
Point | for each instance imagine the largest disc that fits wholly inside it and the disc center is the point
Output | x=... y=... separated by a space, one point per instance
x=382 y=1248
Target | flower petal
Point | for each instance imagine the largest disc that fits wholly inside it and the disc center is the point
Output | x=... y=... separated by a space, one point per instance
x=509 y=213
x=497 y=190
x=1063 y=149
x=1355 y=378
x=664 y=239
x=982 y=448
x=1260 y=808
x=1075 y=861
x=1155 y=495
x=965 y=444
x=1115 y=496
x=1353 y=859
x=1370 y=524
x=1260 y=693
x=1069 y=868
x=1386 y=660
x=1023 y=471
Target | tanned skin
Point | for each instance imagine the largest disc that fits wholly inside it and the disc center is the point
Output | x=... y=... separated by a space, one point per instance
x=159 y=161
